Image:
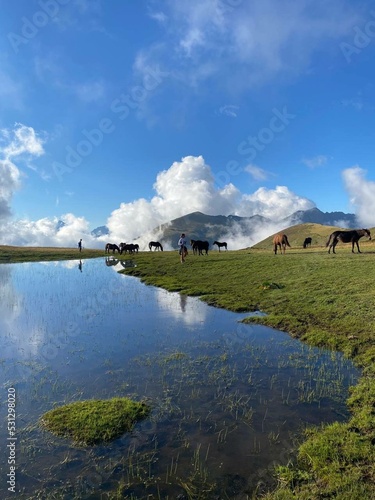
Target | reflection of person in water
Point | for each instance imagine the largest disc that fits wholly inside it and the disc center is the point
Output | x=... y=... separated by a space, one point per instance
x=80 y=265
x=183 y=299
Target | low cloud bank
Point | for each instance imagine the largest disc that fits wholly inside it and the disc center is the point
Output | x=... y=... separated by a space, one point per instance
x=186 y=186
x=62 y=232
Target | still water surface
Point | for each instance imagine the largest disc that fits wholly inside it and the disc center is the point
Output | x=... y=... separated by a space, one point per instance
x=228 y=400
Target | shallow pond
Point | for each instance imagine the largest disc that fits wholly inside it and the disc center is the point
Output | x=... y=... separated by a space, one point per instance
x=228 y=400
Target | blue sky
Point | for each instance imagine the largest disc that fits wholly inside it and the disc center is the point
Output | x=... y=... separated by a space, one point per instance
x=133 y=113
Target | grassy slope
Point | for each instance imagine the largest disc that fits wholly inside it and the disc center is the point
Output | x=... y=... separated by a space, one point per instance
x=326 y=300
x=297 y=234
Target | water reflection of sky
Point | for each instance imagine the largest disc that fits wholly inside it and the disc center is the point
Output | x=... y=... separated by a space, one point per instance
x=55 y=311
x=46 y=308
x=78 y=329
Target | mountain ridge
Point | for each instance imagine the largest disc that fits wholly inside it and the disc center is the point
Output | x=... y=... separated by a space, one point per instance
x=200 y=226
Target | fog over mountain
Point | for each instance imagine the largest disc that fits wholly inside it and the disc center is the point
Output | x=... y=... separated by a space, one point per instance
x=238 y=232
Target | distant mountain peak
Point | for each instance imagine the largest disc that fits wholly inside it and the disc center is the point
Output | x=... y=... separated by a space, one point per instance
x=100 y=231
x=316 y=216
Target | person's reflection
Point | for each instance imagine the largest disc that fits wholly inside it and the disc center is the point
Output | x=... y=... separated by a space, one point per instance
x=80 y=265
x=183 y=299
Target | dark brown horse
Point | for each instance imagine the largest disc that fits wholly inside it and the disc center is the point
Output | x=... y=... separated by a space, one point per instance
x=156 y=244
x=199 y=246
x=111 y=246
x=347 y=237
x=220 y=244
x=280 y=240
x=128 y=247
x=307 y=242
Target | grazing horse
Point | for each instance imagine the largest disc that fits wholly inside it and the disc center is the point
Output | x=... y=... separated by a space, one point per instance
x=307 y=242
x=111 y=246
x=347 y=237
x=220 y=244
x=128 y=247
x=199 y=246
x=280 y=240
x=156 y=244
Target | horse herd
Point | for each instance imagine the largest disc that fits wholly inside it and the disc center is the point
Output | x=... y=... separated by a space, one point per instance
x=198 y=246
x=280 y=241
x=122 y=248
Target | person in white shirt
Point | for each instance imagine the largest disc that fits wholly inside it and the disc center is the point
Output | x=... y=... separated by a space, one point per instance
x=182 y=247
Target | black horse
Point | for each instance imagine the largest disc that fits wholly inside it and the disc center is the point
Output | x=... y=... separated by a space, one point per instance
x=156 y=244
x=347 y=237
x=111 y=246
x=128 y=247
x=220 y=244
x=307 y=242
x=199 y=246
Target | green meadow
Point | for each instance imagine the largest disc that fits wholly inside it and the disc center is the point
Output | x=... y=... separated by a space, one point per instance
x=324 y=300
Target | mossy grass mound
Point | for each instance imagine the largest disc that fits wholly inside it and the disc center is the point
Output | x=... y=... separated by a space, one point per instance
x=95 y=421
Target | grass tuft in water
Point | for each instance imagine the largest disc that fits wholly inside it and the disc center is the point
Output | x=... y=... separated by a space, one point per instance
x=95 y=421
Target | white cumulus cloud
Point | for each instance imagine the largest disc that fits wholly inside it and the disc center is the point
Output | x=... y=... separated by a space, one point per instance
x=48 y=232
x=189 y=186
x=9 y=183
x=362 y=194
x=275 y=204
x=186 y=186
x=21 y=141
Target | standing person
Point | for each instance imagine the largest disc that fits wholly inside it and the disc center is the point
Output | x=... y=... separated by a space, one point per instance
x=80 y=245
x=182 y=247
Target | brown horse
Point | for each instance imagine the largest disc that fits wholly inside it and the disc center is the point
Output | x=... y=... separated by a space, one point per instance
x=280 y=240
x=347 y=237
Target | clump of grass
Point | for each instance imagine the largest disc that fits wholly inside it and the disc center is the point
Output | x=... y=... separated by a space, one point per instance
x=95 y=421
x=332 y=463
